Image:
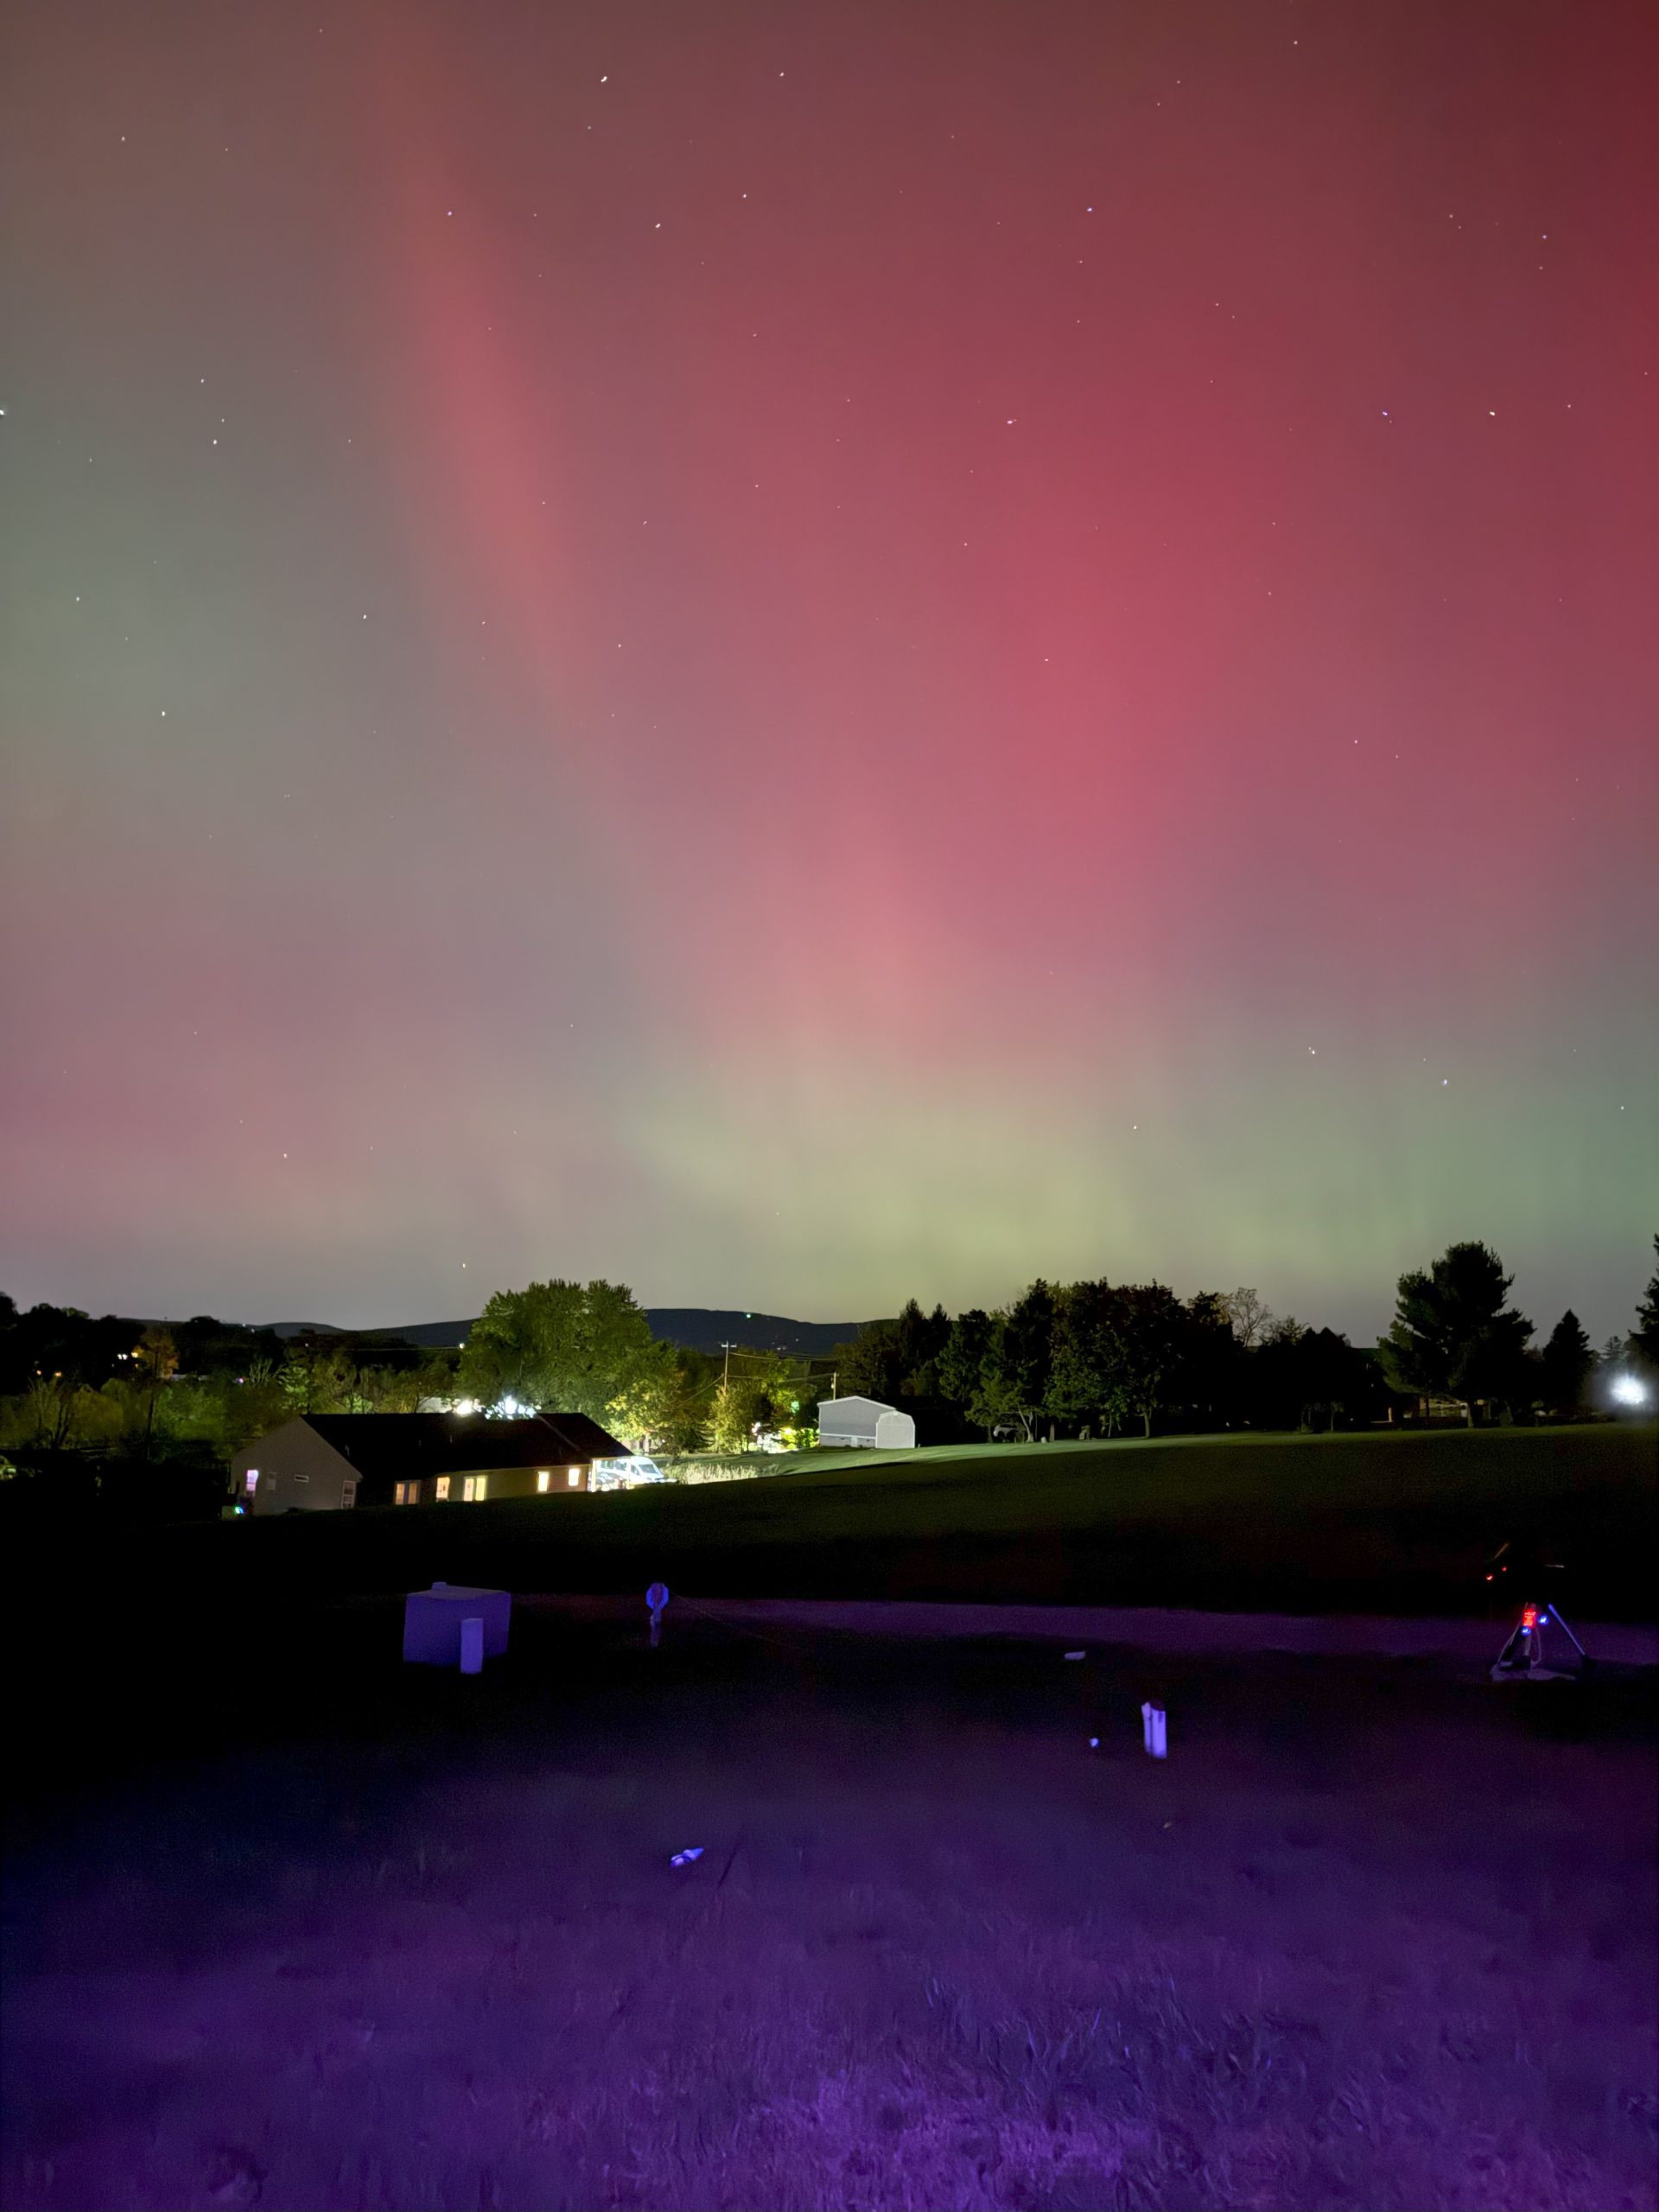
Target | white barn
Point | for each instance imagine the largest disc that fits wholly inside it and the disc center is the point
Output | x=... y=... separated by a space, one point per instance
x=856 y=1423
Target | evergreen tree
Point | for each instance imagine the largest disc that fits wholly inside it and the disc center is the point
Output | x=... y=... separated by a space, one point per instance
x=873 y=1367
x=918 y=1339
x=1452 y=1335
x=1566 y=1364
x=1644 y=1337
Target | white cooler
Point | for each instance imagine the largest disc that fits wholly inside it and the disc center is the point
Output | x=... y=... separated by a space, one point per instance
x=432 y=1621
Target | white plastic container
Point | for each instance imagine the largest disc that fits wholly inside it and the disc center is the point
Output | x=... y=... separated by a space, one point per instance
x=433 y=1619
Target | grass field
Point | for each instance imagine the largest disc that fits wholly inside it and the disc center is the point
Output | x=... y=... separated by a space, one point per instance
x=358 y=1936
x=1367 y=1523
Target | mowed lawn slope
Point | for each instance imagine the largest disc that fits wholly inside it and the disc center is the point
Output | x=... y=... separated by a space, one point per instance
x=1362 y=1523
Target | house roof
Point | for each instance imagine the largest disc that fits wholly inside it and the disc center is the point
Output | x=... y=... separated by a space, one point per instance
x=406 y=1445
x=864 y=1405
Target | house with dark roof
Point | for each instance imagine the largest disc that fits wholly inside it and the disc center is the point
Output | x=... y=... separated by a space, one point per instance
x=323 y=1463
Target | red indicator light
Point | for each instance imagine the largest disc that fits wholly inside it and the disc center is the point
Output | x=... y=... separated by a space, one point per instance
x=1530 y=1616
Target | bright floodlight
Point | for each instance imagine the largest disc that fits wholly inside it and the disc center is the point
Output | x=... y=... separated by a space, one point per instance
x=1627 y=1391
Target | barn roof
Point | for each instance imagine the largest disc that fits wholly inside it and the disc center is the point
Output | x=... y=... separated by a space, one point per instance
x=406 y=1445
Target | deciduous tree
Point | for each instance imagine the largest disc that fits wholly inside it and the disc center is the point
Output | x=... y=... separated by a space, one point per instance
x=642 y=1409
x=1250 y=1314
x=564 y=1344
x=1146 y=1326
x=961 y=1363
x=1021 y=1360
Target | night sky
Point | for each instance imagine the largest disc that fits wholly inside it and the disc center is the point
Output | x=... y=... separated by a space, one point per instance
x=801 y=654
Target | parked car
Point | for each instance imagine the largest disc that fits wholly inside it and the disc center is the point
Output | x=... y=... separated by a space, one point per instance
x=627 y=1474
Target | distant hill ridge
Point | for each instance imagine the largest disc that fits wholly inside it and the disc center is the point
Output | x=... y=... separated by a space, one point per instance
x=695 y=1328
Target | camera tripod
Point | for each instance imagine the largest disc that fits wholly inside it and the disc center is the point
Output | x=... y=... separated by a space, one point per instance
x=1525 y=1659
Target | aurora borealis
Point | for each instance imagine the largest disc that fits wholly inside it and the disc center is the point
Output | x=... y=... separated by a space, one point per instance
x=799 y=656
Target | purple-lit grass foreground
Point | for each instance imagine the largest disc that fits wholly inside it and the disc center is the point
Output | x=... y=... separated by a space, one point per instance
x=1372 y=1937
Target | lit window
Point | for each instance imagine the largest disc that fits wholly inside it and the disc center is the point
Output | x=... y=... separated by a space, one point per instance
x=544 y=1476
x=443 y=1487
x=483 y=1485
x=575 y=1478
x=252 y=1480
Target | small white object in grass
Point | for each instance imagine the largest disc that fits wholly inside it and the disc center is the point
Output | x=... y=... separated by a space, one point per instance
x=1076 y=1655
x=1154 y=1726
x=684 y=1858
x=1093 y=1743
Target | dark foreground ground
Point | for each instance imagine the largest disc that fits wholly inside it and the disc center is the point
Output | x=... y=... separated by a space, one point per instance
x=344 y=1934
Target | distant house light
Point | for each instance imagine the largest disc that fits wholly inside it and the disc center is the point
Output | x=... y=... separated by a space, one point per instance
x=443 y=1487
x=575 y=1478
x=251 y=1479
x=1629 y=1391
x=543 y=1477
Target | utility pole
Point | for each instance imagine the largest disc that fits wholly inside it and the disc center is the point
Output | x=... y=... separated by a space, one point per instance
x=726 y=1373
